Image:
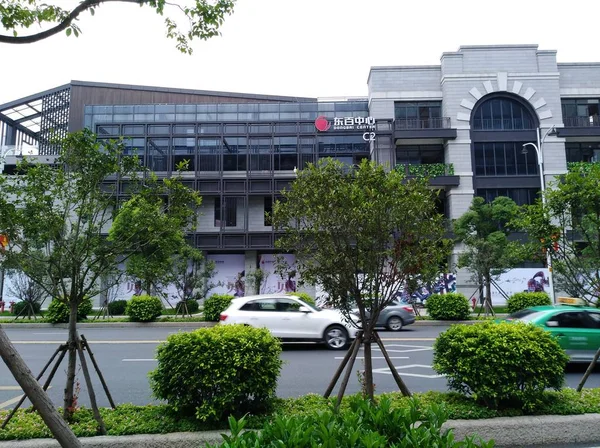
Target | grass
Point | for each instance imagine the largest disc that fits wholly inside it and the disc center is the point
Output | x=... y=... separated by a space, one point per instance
x=128 y=419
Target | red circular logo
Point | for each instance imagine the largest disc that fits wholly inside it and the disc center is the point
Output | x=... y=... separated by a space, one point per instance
x=322 y=124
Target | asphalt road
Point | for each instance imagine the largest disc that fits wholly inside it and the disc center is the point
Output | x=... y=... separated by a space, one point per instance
x=126 y=355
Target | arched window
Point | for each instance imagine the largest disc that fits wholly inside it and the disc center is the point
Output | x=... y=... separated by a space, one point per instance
x=502 y=114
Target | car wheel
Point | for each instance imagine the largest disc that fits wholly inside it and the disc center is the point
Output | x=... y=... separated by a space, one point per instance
x=336 y=337
x=394 y=323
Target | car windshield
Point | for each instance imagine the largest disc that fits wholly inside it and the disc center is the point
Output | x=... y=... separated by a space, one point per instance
x=525 y=315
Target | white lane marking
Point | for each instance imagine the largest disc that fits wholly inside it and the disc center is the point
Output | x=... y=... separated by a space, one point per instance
x=387 y=371
x=376 y=357
x=13 y=400
x=405 y=348
x=10 y=388
x=408 y=339
x=138 y=360
x=57 y=334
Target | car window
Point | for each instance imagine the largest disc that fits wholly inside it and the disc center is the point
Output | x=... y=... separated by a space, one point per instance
x=525 y=315
x=287 y=305
x=260 y=305
x=571 y=319
x=595 y=318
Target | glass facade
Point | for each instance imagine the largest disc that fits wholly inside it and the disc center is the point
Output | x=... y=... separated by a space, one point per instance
x=502 y=114
x=504 y=159
x=234 y=145
x=522 y=196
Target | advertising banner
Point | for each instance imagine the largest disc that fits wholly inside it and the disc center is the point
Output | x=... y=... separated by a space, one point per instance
x=519 y=280
x=229 y=276
x=272 y=282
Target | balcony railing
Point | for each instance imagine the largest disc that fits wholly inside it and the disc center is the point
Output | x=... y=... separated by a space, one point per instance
x=427 y=170
x=429 y=123
x=582 y=122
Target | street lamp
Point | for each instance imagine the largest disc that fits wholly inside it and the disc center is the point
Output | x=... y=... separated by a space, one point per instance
x=540 y=157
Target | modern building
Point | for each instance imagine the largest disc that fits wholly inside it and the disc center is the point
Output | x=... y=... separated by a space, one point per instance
x=464 y=122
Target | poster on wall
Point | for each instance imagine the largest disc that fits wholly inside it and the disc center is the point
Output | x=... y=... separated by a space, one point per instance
x=273 y=283
x=229 y=276
x=519 y=280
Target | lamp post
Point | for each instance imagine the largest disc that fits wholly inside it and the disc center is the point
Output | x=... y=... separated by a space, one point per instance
x=540 y=158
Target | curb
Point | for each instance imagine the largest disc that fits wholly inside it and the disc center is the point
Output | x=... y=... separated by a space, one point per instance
x=507 y=432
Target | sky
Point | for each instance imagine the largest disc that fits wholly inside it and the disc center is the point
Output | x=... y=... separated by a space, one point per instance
x=314 y=48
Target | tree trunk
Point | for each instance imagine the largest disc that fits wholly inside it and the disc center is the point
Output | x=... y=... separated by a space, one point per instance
x=488 y=295
x=68 y=403
x=40 y=400
x=369 y=386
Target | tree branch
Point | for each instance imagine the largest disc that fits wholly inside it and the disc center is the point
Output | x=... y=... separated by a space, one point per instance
x=66 y=23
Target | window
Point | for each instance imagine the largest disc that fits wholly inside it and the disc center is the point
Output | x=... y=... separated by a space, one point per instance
x=234 y=153
x=521 y=196
x=583 y=152
x=184 y=149
x=158 y=151
x=268 y=211
x=581 y=112
x=105 y=130
x=209 y=154
x=571 y=320
x=287 y=305
x=260 y=154
x=502 y=114
x=260 y=305
x=595 y=319
x=419 y=154
x=285 y=153
x=504 y=159
x=417 y=115
x=226 y=212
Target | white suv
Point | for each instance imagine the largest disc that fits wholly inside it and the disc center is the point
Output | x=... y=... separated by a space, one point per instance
x=290 y=319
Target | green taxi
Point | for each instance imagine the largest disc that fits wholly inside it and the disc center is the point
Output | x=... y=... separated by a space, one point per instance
x=576 y=326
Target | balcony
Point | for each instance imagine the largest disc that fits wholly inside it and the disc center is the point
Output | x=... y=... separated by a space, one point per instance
x=440 y=174
x=433 y=128
x=580 y=127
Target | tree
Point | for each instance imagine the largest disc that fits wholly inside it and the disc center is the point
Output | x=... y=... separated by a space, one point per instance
x=56 y=218
x=360 y=233
x=205 y=18
x=27 y=291
x=484 y=230
x=164 y=208
x=568 y=227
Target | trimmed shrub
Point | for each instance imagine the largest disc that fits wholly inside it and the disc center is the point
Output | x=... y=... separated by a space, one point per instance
x=501 y=365
x=20 y=306
x=58 y=311
x=452 y=306
x=117 y=307
x=522 y=300
x=215 y=372
x=365 y=424
x=144 y=308
x=303 y=296
x=215 y=305
x=192 y=306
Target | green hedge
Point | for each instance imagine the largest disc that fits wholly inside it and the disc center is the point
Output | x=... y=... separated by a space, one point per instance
x=365 y=424
x=216 y=372
x=58 y=311
x=452 y=306
x=522 y=300
x=20 y=306
x=128 y=419
x=303 y=296
x=215 y=305
x=508 y=364
x=117 y=307
x=144 y=308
